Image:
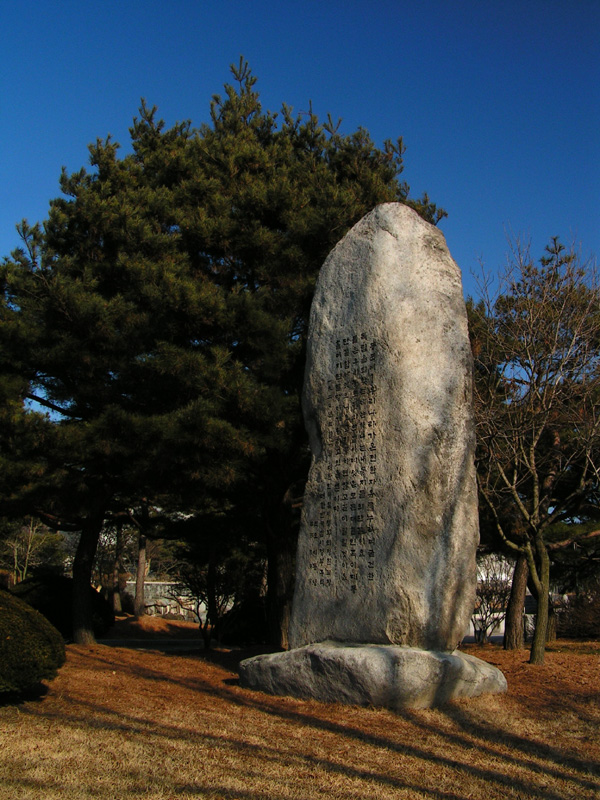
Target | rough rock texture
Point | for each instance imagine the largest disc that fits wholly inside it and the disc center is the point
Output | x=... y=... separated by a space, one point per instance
x=386 y=575
x=387 y=545
x=378 y=675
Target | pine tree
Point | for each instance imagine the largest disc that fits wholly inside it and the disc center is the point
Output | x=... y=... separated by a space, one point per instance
x=160 y=316
x=107 y=328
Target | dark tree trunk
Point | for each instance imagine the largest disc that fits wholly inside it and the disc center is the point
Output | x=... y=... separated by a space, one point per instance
x=116 y=586
x=139 y=607
x=282 y=540
x=280 y=594
x=538 y=646
x=83 y=625
x=211 y=628
x=514 y=634
x=551 y=627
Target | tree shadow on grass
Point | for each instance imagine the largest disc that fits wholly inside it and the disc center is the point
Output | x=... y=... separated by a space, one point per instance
x=29 y=695
x=490 y=739
x=484 y=738
x=131 y=726
x=442 y=748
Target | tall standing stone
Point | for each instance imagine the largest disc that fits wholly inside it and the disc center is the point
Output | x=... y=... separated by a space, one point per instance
x=390 y=523
x=386 y=577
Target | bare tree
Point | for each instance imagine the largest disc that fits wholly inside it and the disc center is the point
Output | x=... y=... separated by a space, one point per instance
x=493 y=591
x=29 y=545
x=536 y=348
x=203 y=589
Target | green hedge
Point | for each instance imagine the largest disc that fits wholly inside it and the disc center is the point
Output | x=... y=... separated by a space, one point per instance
x=31 y=649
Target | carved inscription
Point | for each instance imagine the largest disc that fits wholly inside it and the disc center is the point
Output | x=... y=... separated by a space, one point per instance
x=342 y=533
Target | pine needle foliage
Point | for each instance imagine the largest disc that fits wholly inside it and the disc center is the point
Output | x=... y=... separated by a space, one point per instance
x=159 y=314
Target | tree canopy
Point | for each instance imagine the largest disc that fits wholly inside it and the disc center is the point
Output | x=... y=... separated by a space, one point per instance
x=153 y=327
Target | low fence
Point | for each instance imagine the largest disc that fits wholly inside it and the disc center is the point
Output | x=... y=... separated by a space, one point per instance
x=163 y=598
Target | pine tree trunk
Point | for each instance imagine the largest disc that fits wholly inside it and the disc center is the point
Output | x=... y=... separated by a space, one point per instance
x=83 y=625
x=279 y=593
x=538 y=646
x=212 y=626
x=116 y=588
x=139 y=606
x=281 y=551
x=514 y=638
x=551 y=627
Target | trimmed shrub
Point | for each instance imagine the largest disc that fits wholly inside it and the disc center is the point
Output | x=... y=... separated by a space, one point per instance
x=52 y=595
x=31 y=649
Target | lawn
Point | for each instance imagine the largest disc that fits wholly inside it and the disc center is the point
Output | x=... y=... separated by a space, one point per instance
x=125 y=724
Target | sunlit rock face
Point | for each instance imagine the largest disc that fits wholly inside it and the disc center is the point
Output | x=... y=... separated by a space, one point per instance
x=386 y=576
x=390 y=524
x=372 y=675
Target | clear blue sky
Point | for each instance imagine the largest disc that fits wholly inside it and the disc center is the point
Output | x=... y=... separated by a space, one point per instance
x=498 y=102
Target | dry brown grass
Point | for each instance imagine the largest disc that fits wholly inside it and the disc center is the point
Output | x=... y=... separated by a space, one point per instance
x=126 y=724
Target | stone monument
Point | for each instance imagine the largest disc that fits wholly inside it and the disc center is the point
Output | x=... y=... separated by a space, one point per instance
x=386 y=579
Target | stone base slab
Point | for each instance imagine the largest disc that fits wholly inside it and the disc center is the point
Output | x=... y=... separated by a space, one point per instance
x=371 y=675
